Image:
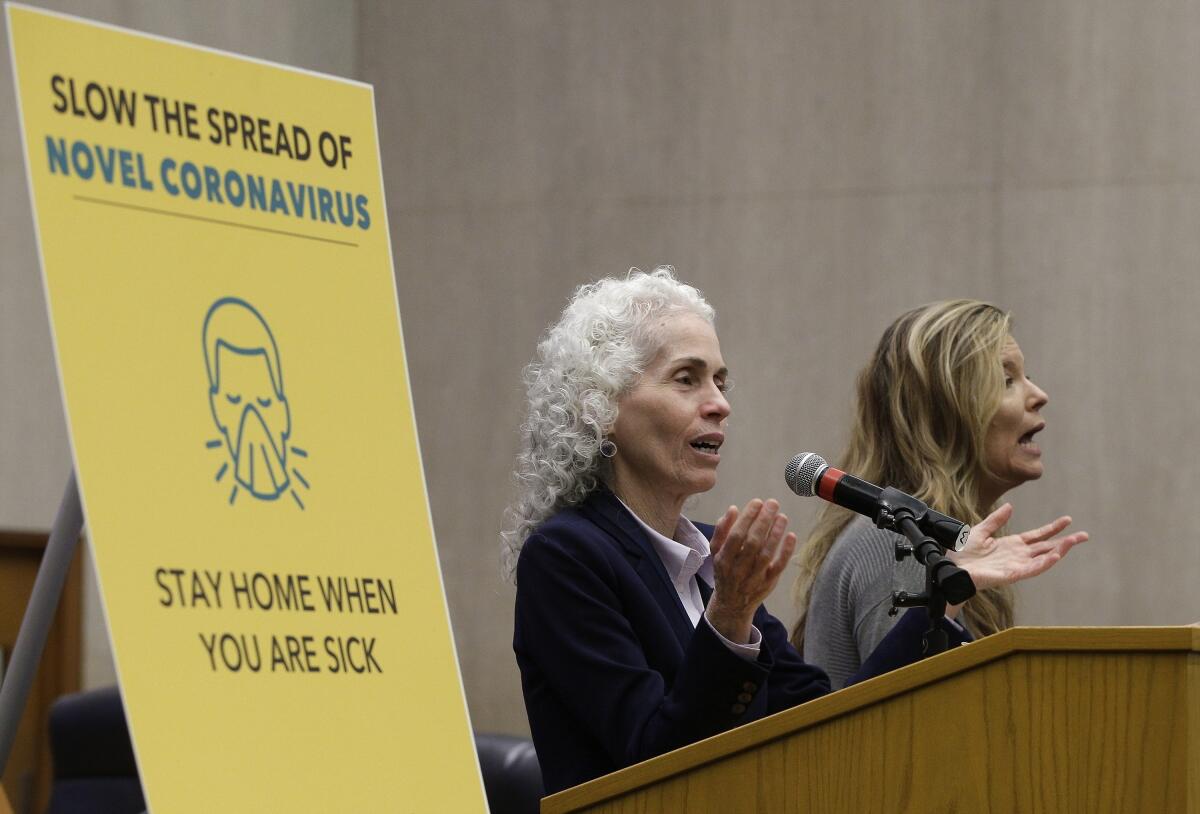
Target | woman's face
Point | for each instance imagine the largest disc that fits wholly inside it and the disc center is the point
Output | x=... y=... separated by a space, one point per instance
x=670 y=425
x=1011 y=454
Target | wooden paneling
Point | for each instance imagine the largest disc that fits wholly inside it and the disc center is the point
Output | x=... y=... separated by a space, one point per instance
x=29 y=771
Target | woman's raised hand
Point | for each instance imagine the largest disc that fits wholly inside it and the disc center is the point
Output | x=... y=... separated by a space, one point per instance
x=993 y=561
x=750 y=549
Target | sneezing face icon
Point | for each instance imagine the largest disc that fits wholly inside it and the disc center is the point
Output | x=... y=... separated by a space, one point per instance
x=248 y=403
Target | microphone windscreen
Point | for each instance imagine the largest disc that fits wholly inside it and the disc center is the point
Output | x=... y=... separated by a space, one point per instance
x=802 y=472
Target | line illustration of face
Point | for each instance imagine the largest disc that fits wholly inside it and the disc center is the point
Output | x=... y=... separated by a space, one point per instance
x=254 y=422
x=248 y=404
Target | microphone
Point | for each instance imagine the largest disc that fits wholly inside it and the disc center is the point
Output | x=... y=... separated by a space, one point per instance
x=808 y=474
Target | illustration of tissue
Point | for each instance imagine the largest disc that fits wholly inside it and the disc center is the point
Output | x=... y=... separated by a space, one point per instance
x=249 y=404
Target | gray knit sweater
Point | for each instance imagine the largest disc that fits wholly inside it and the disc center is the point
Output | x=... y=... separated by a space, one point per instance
x=850 y=599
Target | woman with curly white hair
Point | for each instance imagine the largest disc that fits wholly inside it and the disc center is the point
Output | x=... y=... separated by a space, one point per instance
x=637 y=631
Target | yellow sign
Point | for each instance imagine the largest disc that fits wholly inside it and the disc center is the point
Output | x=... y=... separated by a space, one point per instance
x=216 y=258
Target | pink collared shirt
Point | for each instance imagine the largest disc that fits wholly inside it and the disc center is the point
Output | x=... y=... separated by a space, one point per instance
x=687 y=556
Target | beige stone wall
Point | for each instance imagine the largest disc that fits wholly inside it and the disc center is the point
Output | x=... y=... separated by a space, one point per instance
x=816 y=168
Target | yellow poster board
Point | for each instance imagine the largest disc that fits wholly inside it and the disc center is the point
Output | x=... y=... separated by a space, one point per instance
x=215 y=251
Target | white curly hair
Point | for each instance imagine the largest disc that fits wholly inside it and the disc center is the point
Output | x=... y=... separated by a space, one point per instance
x=594 y=353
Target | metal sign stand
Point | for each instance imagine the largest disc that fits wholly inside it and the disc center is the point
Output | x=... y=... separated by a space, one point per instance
x=39 y=614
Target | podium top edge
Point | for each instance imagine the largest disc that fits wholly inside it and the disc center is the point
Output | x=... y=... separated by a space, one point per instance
x=1183 y=637
x=1176 y=638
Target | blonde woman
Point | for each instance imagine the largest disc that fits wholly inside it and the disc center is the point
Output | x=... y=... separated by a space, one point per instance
x=945 y=412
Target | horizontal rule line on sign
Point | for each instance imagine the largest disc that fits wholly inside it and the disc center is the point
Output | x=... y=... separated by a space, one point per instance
x=105 y=202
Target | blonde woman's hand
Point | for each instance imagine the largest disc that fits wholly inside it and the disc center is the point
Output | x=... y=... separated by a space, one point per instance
x=993 y=561
x=750 y=550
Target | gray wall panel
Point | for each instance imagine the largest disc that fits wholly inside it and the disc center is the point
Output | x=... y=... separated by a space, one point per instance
x=816 y=168
x=1102 y=282
x=1100 y=91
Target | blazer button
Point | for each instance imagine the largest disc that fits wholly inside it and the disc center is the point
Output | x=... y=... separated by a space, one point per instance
x=750 y=686
x=738 y=709
x=745 y=698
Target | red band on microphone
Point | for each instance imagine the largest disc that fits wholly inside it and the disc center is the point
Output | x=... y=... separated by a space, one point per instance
x=829 y=479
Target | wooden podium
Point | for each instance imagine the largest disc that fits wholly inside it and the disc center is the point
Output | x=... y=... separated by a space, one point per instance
x=1029 y=720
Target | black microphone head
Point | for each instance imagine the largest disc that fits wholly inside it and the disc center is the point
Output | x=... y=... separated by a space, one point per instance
x=802 y=473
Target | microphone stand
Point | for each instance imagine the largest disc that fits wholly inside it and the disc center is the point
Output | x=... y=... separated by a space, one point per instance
x=945 y=582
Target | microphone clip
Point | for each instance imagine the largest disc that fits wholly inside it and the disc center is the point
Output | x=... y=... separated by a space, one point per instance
x=893 y=505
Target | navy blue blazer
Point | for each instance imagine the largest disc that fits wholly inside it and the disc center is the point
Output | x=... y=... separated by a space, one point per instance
x=612 y=669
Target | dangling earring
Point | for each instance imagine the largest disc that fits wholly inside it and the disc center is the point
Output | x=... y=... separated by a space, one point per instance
x=608 y=449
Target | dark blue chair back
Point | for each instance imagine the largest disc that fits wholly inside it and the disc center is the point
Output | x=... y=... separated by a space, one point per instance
x=95 y=771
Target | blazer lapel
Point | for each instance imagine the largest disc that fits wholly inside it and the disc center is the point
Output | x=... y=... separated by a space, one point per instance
x=608 y=513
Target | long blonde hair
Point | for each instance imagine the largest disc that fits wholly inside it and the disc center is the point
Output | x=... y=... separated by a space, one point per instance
x=925 y=401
